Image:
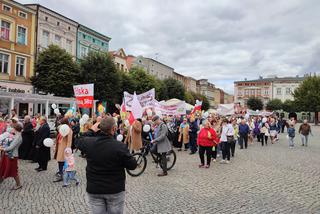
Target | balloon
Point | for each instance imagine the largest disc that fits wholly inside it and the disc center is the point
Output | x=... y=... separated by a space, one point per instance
x=264 y=120
x=85 y=117
x=54 y=106
x=206 y=114
x=149 y=113
x=127 y=123
x=146 y=128
x=120 y=137
x=48 y=142
x=64 y=130
x=82 y=122
x=56 y=111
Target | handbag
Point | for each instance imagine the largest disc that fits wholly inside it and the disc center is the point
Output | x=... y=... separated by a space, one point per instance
x=154 y=148
x=230 y=139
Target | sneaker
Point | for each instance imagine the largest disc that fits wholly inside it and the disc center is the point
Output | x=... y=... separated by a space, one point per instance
x=222 y=161
x=201 y=166
x=214 y=160
x=65 y=185
x=227 y=162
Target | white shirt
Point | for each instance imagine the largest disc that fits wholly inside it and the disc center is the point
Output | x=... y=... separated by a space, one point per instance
x=227 y=130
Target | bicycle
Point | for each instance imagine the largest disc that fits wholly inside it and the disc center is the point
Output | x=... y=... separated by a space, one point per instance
x=141 y=158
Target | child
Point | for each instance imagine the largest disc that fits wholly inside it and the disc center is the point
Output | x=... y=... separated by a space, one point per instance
x=6 y=139
x=291 y=135
x=69 y=170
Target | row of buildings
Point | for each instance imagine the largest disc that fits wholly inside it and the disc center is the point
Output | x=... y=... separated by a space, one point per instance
x=162 y=71
x=27 y=29
x=266 y=89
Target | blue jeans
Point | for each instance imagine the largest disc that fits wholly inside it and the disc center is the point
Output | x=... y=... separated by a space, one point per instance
x=291 y=141
x=68 y=176
x=304 y=139
x=107 y=203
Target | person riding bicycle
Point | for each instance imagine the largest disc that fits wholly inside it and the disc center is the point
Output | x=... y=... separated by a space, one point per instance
x=162 y=142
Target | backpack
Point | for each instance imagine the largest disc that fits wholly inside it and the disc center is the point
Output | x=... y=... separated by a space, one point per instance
x=291 y=132
x=171 y=131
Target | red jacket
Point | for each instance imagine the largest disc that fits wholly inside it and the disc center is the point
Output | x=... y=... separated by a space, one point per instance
x=205 y=140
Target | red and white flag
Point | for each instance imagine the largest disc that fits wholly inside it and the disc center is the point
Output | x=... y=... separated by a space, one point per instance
x=136 y=109
x=84 y=95
x=197 y=107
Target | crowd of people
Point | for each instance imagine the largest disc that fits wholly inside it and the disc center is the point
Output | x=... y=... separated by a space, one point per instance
x=209 y=135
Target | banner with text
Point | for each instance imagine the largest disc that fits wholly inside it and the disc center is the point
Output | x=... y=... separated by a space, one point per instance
x=84 y=95
x=176 y=109
x=145 y=99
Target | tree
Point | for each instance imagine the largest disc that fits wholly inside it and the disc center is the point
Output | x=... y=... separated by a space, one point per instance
x=144 y=81
x=55 y=72
x=171 y=88
x=127 y=83
x=275 y=104
x=188 y=97
x=307 y=96
x=204 y=99
x=99 y=68
x=289 y=106
x=255 y=103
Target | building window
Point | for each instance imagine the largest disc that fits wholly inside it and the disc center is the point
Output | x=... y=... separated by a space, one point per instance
x=279 y=91
x=69 y=28
x=93 y=40
x=266 y=92
x=4 y=63
x=5 y=30
x=288 y=91
x=20 y=65
x=102 y=44
x=258 y=91
x=22 y=14
x=22 y=35
x=45 y=39
x=6 y=8
x=83 y=51
x=46 y=18
x=246 y=92
x=57 y=40
x=252 y=92
x=69 y=46
x=84 y=36
x=58 y=23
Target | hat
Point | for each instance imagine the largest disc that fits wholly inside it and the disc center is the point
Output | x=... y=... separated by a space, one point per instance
x=155 y=118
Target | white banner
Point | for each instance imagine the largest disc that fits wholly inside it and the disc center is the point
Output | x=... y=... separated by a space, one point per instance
x=177 y=109
x=84 y=95
x=225 y=109
x=145 y=99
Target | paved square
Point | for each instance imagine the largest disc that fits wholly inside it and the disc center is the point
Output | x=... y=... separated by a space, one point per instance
x=272 y=179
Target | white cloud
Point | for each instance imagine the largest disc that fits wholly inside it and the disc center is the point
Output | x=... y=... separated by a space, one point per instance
x=219 y=40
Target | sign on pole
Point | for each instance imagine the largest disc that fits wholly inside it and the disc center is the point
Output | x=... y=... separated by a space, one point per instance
x=84 y=95
x=145 y=99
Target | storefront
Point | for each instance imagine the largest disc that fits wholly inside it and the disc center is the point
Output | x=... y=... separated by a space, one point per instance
x=28 y=103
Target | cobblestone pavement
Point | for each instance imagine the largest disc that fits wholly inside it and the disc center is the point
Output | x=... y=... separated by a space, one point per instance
x=272 y=179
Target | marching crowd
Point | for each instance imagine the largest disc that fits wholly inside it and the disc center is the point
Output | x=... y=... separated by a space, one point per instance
x=98 y=139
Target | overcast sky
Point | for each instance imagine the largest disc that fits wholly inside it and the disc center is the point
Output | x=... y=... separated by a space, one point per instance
x=221 y=40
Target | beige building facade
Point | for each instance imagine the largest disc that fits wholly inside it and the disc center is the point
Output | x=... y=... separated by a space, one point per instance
x=120 y=59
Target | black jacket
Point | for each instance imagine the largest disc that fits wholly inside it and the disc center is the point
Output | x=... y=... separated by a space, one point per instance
x=106 y=163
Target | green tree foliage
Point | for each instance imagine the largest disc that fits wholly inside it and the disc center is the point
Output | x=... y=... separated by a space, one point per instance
x=188 y=97
x=144 y=81
x=289 y=106
x=99 y=68
x=255 y=103
x=171 y=88
x=275 y=104
x=56 y=72
x=128 y=83
x=307 y=96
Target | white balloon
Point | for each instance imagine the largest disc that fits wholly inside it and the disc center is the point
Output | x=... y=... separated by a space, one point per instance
x=56 y=111
x=82 y=122
x=146 y=128
x=54 y=106
x=264 y=120
x=85 y=117
x=149 y=113
x=206 y=114
x=64 y=130
x=120 y=137
x=127 y=123
x=48 y=142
